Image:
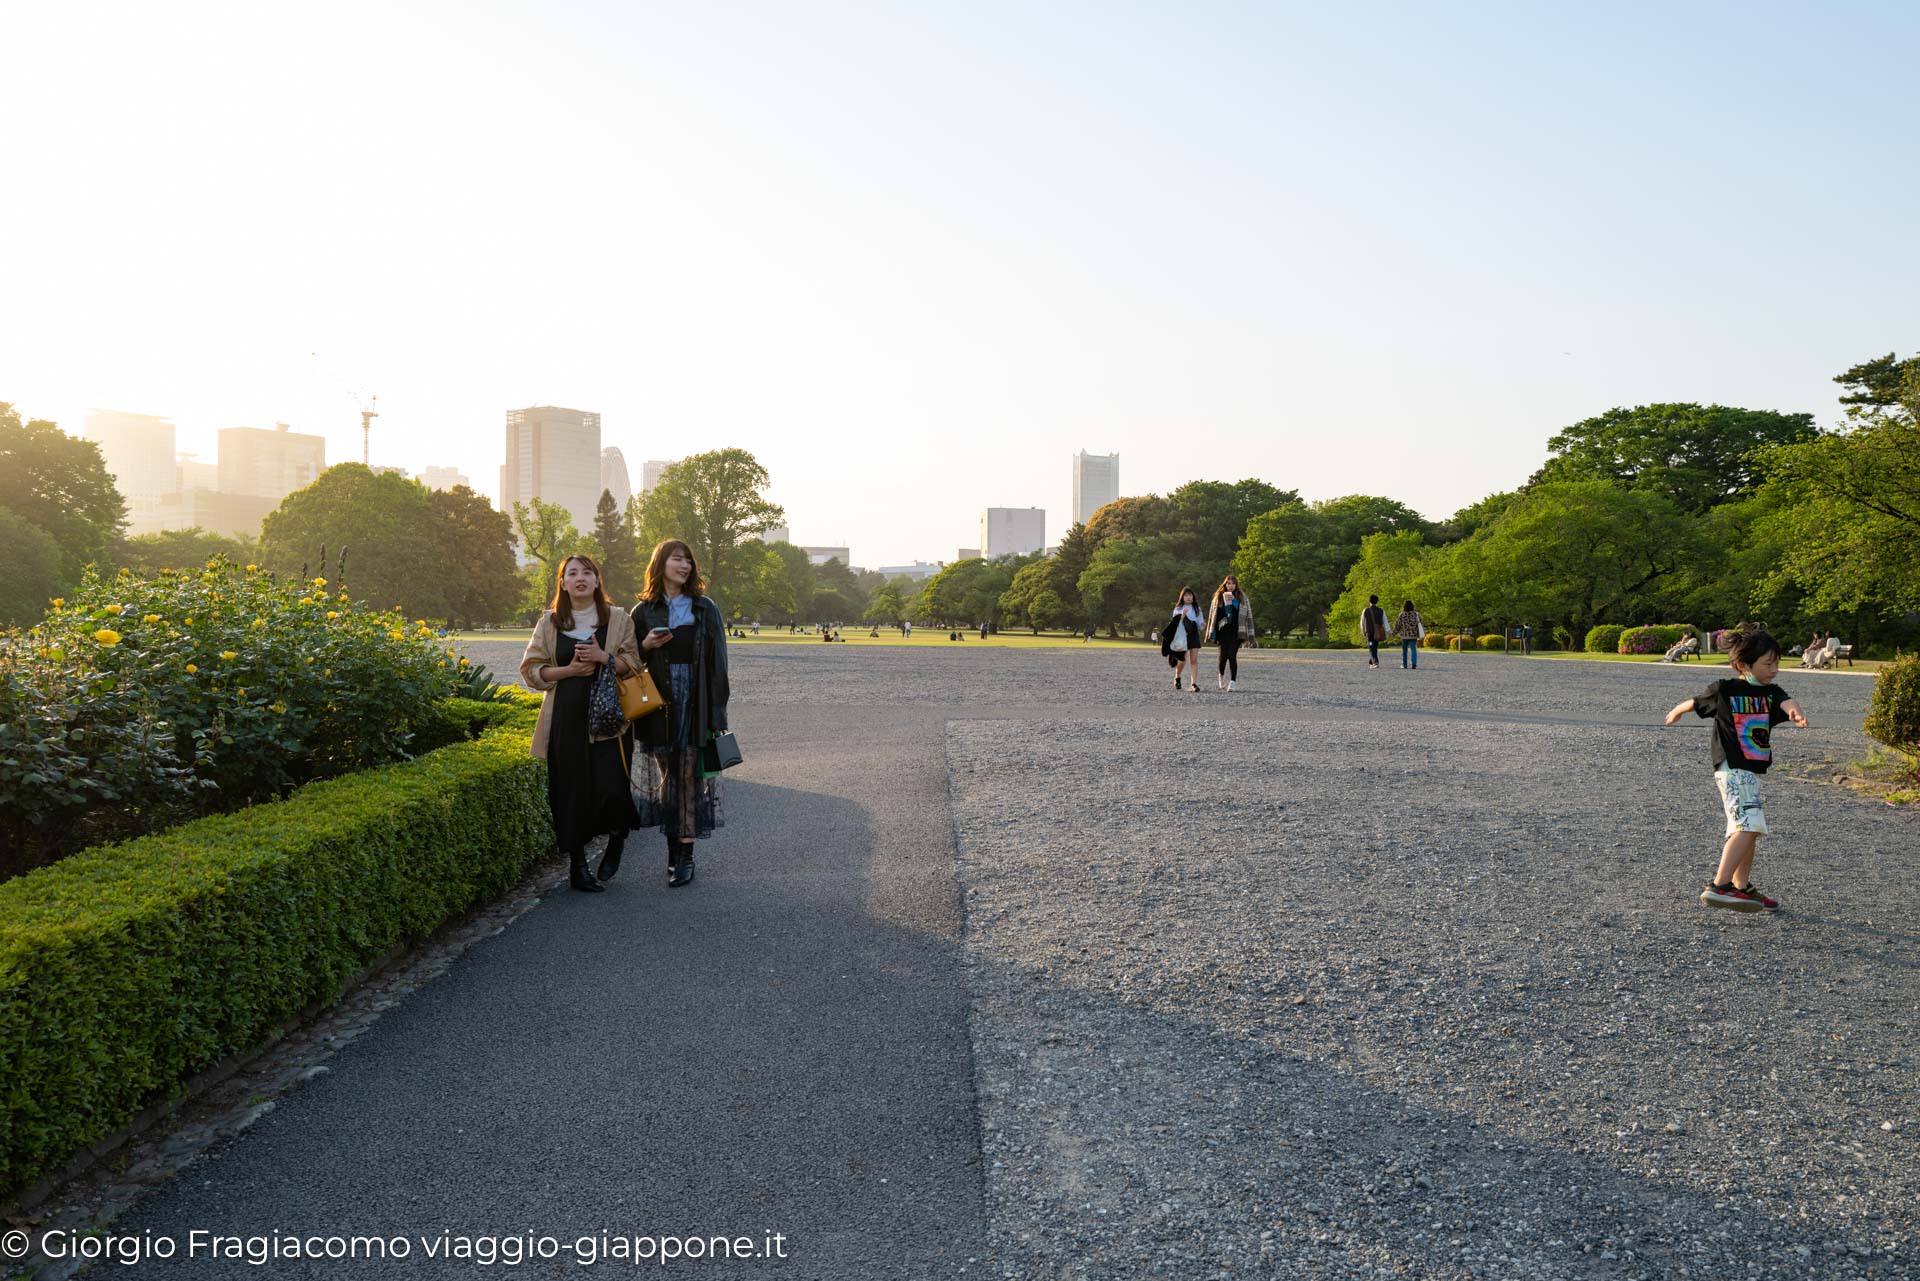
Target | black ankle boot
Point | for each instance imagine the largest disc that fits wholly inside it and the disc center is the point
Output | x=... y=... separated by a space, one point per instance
x=680 y=864
x=610 y=859
x=577 y=874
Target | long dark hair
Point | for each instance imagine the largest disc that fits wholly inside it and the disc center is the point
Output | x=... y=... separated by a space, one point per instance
x=1181 y=600
x=562 y=605
x=1239 y=593
x=654 y=591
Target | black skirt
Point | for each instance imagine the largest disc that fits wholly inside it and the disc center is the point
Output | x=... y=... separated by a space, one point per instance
x=587 y=786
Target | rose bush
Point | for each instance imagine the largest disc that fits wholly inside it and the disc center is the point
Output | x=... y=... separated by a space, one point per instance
x=138 y=702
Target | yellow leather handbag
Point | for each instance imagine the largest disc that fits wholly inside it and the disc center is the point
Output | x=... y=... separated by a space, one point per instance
x=639 y=696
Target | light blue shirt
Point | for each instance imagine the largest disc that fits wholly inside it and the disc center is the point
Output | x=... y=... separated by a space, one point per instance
x=679 y=610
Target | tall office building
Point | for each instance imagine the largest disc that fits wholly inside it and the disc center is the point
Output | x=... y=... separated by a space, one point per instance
x=1096 y=482
x=778 y=534
x=1012 y=531
x=256 y=463
x=650 y=472
x=190 y=474
x=553 y=454
x=613 y=476
x=138 y=450
x=821 y=555
x=444 y=478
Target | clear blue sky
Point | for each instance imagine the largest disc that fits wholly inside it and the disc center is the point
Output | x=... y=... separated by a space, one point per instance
x=914 y=256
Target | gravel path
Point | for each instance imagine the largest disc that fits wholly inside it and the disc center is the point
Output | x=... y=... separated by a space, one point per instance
x=1348 y=974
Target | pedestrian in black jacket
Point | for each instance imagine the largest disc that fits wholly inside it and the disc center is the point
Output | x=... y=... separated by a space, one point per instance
x=684 y=644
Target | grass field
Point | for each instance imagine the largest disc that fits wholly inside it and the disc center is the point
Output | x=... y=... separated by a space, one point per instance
x=923 y=637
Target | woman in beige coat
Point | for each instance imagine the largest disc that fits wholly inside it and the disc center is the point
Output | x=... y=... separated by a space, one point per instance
x=587 y=776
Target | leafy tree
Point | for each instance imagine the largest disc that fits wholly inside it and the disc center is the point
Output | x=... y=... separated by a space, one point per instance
x=387 y=524
x=476 y=546
x=1878 y=383
x=1473 y=517
x=799 y=573
x=1391 y=566
x=713 y=503
x=1029 y=582
x=1696 y=456
x=59 y=485
x=965 y=593
x=546 y=530
x=31 y=572
x=765 y=593
x=148 y=554
x=1577 y=552
x=887 y=605
x=1130 y=518
x=833 y=575
x=1129 y=585
x=1211 y=515
x=1293 y=561
x=619 y=559
x=830 y=605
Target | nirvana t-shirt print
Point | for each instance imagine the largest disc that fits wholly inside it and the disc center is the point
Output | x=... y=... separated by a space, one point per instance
x=1743 y=715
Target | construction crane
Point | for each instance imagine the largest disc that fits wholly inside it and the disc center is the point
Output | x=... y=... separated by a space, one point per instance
x=367 y=411
x=367 y=414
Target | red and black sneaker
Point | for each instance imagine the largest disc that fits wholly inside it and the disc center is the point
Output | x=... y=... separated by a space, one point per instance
x=1731 y=898
x=1752 y=891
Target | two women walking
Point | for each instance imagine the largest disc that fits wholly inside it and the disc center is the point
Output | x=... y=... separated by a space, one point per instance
x=1228 y=625
x=676 y=633
x=1407 y=628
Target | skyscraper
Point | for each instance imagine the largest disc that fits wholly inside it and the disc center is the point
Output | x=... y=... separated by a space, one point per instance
x=138 y=450
x=553 y=454
x=613 y=476
x=257 y=463
x=443 y=478
x=1096 y=482
x=1012 y=531
x=650 y=472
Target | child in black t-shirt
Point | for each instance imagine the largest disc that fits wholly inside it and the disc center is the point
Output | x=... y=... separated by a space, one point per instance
x=1744 y=713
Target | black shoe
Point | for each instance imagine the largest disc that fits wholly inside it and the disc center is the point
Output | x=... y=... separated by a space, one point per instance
x=679 y=868
x=579 y=877
x=610 y=861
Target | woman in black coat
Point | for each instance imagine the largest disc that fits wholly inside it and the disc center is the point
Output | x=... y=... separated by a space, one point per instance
x=1180 y=638
x=683 y=641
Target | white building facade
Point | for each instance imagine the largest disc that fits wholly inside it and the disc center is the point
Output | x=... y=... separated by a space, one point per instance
x=1012 y=531
x=1096 y=482
x=553 y=454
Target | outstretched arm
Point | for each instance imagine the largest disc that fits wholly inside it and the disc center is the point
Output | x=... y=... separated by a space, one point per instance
x=1680 y=709
x=1792 y=708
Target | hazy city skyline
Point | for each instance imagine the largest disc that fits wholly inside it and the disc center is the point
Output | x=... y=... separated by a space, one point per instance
x=914 y=259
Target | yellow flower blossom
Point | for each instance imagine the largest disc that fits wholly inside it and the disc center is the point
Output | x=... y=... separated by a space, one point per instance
x=107 y=636
x=258 y=623
x=228 y=654
x=242 y=691
x=252 y=568
x=192 y=668
x=463 y=662
x=397 y=635
x=115 y=610
x=333 y=613
x=278 y=709
x=319 y=582
x=59 y=601
x=150 y=618
x=306 y=600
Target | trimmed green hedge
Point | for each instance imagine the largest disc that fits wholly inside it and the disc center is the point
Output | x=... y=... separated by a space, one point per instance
x=1656 y=638
x=1604 y=639
x=126 y=969
x=1893 y=712
x=1492 y=640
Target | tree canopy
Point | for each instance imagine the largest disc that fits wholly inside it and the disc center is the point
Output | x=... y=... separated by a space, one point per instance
x=713 y=502
x=1696 y=456
x=59 y=485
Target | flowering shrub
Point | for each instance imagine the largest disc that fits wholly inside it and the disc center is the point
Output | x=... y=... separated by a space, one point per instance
x=1893 y=711
x=1492 y=640
x=1604 y=639
x=1434 y=640
x=1656 y=639
x=135 y=703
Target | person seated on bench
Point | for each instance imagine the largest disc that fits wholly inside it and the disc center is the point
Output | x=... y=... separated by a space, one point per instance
x=1687 y=647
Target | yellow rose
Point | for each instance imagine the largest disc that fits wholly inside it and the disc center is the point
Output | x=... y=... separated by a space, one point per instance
x=114 y=610
x=242 y=691
x=189 y=622
x=191 y=669
x=463 y=662
x=228 y=654
x=252 y=568
x=342 y=596
x=58 y=601
x=150 y=618
x=397 y=635
x=258 y=623
x=333 y=613
x=107 y=637
x=278 y=709
x=319 y=582
x=305 y=600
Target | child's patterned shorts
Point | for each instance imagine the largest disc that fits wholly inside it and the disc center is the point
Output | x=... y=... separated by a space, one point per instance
x=1740 y=798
